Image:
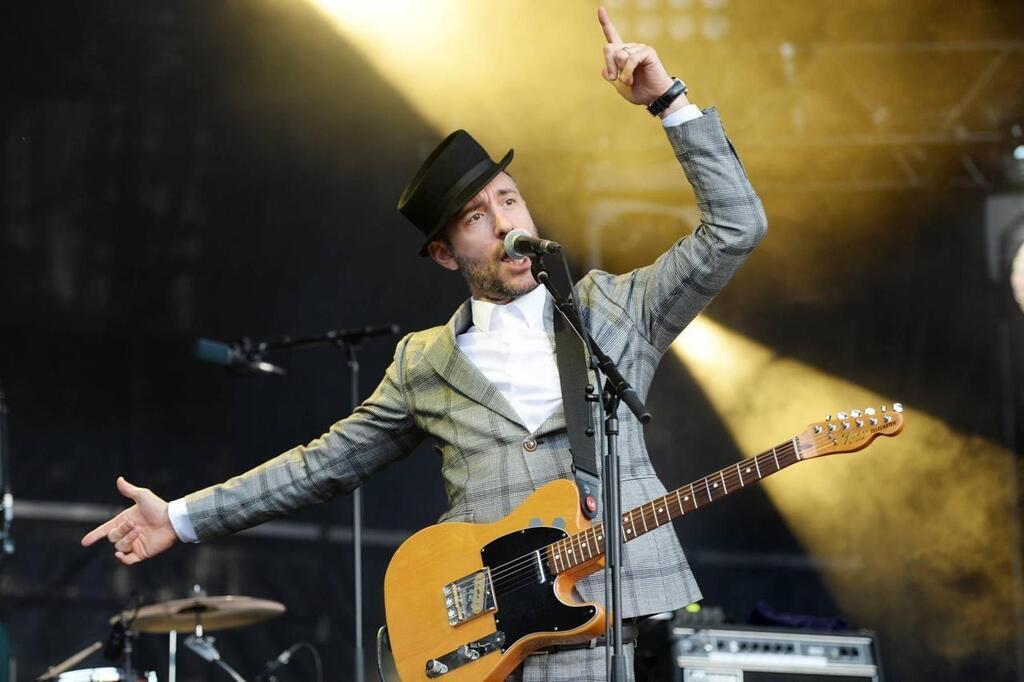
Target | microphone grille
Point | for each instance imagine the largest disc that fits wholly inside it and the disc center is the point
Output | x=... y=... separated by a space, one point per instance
x=510 y=243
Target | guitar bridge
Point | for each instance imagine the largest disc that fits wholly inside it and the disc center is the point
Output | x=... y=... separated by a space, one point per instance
x=468 y=597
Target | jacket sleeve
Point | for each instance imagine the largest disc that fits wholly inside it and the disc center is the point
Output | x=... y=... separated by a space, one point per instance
x=664 y=297
x=380 y=431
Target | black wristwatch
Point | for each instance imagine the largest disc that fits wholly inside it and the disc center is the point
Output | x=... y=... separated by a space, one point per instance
x=662 y=103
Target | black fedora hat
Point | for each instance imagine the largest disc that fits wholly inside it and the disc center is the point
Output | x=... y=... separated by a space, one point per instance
x=454 y=172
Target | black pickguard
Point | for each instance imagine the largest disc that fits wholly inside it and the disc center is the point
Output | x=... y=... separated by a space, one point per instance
x=524 y=604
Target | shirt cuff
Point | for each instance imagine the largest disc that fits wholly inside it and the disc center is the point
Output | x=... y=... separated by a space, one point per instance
x=183 y=528
x=687 y=113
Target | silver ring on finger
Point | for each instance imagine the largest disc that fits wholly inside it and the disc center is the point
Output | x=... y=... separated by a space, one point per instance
x=626 y=50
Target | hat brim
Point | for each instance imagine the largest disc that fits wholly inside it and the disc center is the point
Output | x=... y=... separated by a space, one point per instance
x=460 y=199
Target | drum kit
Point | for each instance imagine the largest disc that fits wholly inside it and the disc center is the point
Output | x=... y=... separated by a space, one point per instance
x=197 y=615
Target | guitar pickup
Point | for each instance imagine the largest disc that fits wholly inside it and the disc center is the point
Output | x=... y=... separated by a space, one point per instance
x=467 y=653
x=468 y=597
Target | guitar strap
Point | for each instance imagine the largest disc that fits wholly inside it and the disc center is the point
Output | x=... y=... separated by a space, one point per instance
x=571 y=357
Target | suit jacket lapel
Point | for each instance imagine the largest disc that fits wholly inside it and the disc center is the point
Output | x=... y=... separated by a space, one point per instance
x=448 y=360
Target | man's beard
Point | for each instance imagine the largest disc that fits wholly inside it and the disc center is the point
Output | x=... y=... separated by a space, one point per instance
x=484 y=279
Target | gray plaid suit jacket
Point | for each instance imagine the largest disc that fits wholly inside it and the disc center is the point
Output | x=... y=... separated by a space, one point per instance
x=432 y=390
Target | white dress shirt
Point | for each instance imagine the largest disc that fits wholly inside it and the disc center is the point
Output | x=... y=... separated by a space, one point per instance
x=508 y=344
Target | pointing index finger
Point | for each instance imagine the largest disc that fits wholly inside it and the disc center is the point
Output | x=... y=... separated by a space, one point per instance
x=98 y=532
x=610 y=34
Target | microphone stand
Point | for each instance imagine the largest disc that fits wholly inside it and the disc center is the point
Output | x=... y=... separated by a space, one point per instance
x=7 y=499
x=351 y=345
x=349 y=340
x=615 y=390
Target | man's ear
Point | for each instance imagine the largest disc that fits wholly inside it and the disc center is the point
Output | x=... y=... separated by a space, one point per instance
x=442 y=255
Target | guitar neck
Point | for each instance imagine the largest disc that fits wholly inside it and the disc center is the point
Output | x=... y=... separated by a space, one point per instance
x=582 y=547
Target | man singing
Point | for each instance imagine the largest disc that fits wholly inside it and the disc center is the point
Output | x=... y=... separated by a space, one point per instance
x=485 y=387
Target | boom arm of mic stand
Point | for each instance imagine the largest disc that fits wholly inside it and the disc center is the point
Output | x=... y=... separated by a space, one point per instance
x=334 y=337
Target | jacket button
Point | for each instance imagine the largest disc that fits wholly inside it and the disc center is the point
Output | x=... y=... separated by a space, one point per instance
x=530 y=445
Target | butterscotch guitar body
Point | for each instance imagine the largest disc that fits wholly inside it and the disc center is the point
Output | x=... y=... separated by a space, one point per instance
x=469 y=601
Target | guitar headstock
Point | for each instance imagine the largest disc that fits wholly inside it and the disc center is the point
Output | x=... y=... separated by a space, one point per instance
x=848 y=432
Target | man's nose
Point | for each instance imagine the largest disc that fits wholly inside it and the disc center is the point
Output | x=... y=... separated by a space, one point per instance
x=502 y=226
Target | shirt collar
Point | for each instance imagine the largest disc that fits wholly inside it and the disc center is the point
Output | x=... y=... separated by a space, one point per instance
x=531 y=306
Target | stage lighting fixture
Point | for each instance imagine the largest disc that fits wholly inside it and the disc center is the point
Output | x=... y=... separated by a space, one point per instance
x=1014 y=246
x=1013 y=166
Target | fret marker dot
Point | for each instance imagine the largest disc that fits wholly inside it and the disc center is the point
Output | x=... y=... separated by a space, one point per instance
x=686 y=497
x=629 y=530
x=715 y=485
x=660 y=509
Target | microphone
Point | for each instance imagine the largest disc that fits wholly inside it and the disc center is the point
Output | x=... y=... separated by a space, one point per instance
x=520 y=244
x=275 y=663
x=235 y=357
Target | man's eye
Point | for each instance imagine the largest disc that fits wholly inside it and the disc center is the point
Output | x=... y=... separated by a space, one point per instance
x=474 y=217
x=510 y=201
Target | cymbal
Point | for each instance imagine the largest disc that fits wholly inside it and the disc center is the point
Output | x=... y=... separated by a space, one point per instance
x=213 y=613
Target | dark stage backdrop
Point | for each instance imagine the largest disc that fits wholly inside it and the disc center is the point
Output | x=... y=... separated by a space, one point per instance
x=171 y=171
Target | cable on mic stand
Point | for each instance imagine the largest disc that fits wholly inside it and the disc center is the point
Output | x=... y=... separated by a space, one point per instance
x=285 y=657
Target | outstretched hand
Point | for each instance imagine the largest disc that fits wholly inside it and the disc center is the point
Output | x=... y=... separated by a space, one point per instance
x=633 y=68
x=139 y=532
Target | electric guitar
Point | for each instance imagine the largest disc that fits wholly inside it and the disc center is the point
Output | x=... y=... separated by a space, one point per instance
x=468 y=601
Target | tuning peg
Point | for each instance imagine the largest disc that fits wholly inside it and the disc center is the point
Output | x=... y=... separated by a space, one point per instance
x=860 y=423
x=897 y=407
x=855 y=413
x=873 y=421
x=831 y=428
x=869 y=411
x=841 y=415
x=888 y=419
x=817 y=428
x=846 y=425
x=883 y=408
x=828 y=417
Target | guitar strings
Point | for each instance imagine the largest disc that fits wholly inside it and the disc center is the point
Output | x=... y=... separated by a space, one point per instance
x=517 y=568
x=511 y=570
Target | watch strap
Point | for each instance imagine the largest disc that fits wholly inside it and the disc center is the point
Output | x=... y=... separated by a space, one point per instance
x=662 y=103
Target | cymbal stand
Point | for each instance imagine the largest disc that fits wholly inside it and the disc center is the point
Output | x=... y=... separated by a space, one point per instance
x=172 y=639
x=204 y=647
x=129 y=638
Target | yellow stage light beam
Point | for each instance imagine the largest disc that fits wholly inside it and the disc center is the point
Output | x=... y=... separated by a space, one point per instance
x=508 y=72
x=927 y=514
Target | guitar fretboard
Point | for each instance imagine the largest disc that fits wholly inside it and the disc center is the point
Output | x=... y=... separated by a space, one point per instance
x=582 y=547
